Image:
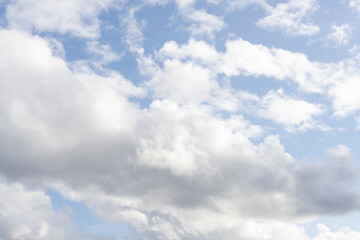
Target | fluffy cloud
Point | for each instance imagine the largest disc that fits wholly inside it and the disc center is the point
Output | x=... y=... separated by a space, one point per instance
x=183 y=82
x=289 y=111
x=179 y=168
x=75 y=17
x=28 y=214
x=166 y=168
x=337 y=81
x=345 y=234
x=199 y=51
x=243 y=57
x=345 y=99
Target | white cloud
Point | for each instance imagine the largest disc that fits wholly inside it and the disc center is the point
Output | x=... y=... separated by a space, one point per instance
x=183 y=82
x=342 y=234
x=75 y=17
x=28 y=214
x=289 y=111
x=291 y=17
x=197 y=50
x=185 y=4
x=243 y=57
x=176 y=169
x=345 y=98
x=340 y=34
x=204 y=23
x=337 y=81
x=189 y=77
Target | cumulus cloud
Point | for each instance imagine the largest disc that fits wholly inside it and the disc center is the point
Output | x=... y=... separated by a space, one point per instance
x=344 y=233
x=184 y=83
x=167 y=168
x=345 y=99
x=199 y=51
x=335 y=80
x=78 y=18
x=289 y=111
x=28 y=214
x=290 y=17
x=183 y=167
x=243 y=57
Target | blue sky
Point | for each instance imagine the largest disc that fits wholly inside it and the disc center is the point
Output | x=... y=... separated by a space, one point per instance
x=179 y=119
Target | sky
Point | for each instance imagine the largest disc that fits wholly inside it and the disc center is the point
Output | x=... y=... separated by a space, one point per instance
x=179 y=119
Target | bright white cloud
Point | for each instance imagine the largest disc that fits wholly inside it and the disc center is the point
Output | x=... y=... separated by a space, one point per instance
x=290 y=17
x=342 y=234
x=197 y=50
x=337 y=81
x=346 y=99
x=289 y=111
x=75 y=17
x=184 y=166
x=183 y=83
x=243 y=57
x=28 y=214
x=172 y=160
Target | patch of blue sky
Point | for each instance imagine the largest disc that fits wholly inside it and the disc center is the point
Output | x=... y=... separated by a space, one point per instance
x=316 y=142
x=3 y=21
x=259 y=85
x=242 y=23
x=320 y=48
x=111 y=30
x=74 y=48
x=90 y=226
x=334 y=223
x=163 y=24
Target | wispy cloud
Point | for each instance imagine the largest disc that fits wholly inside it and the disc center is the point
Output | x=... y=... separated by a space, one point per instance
x=291 y=17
